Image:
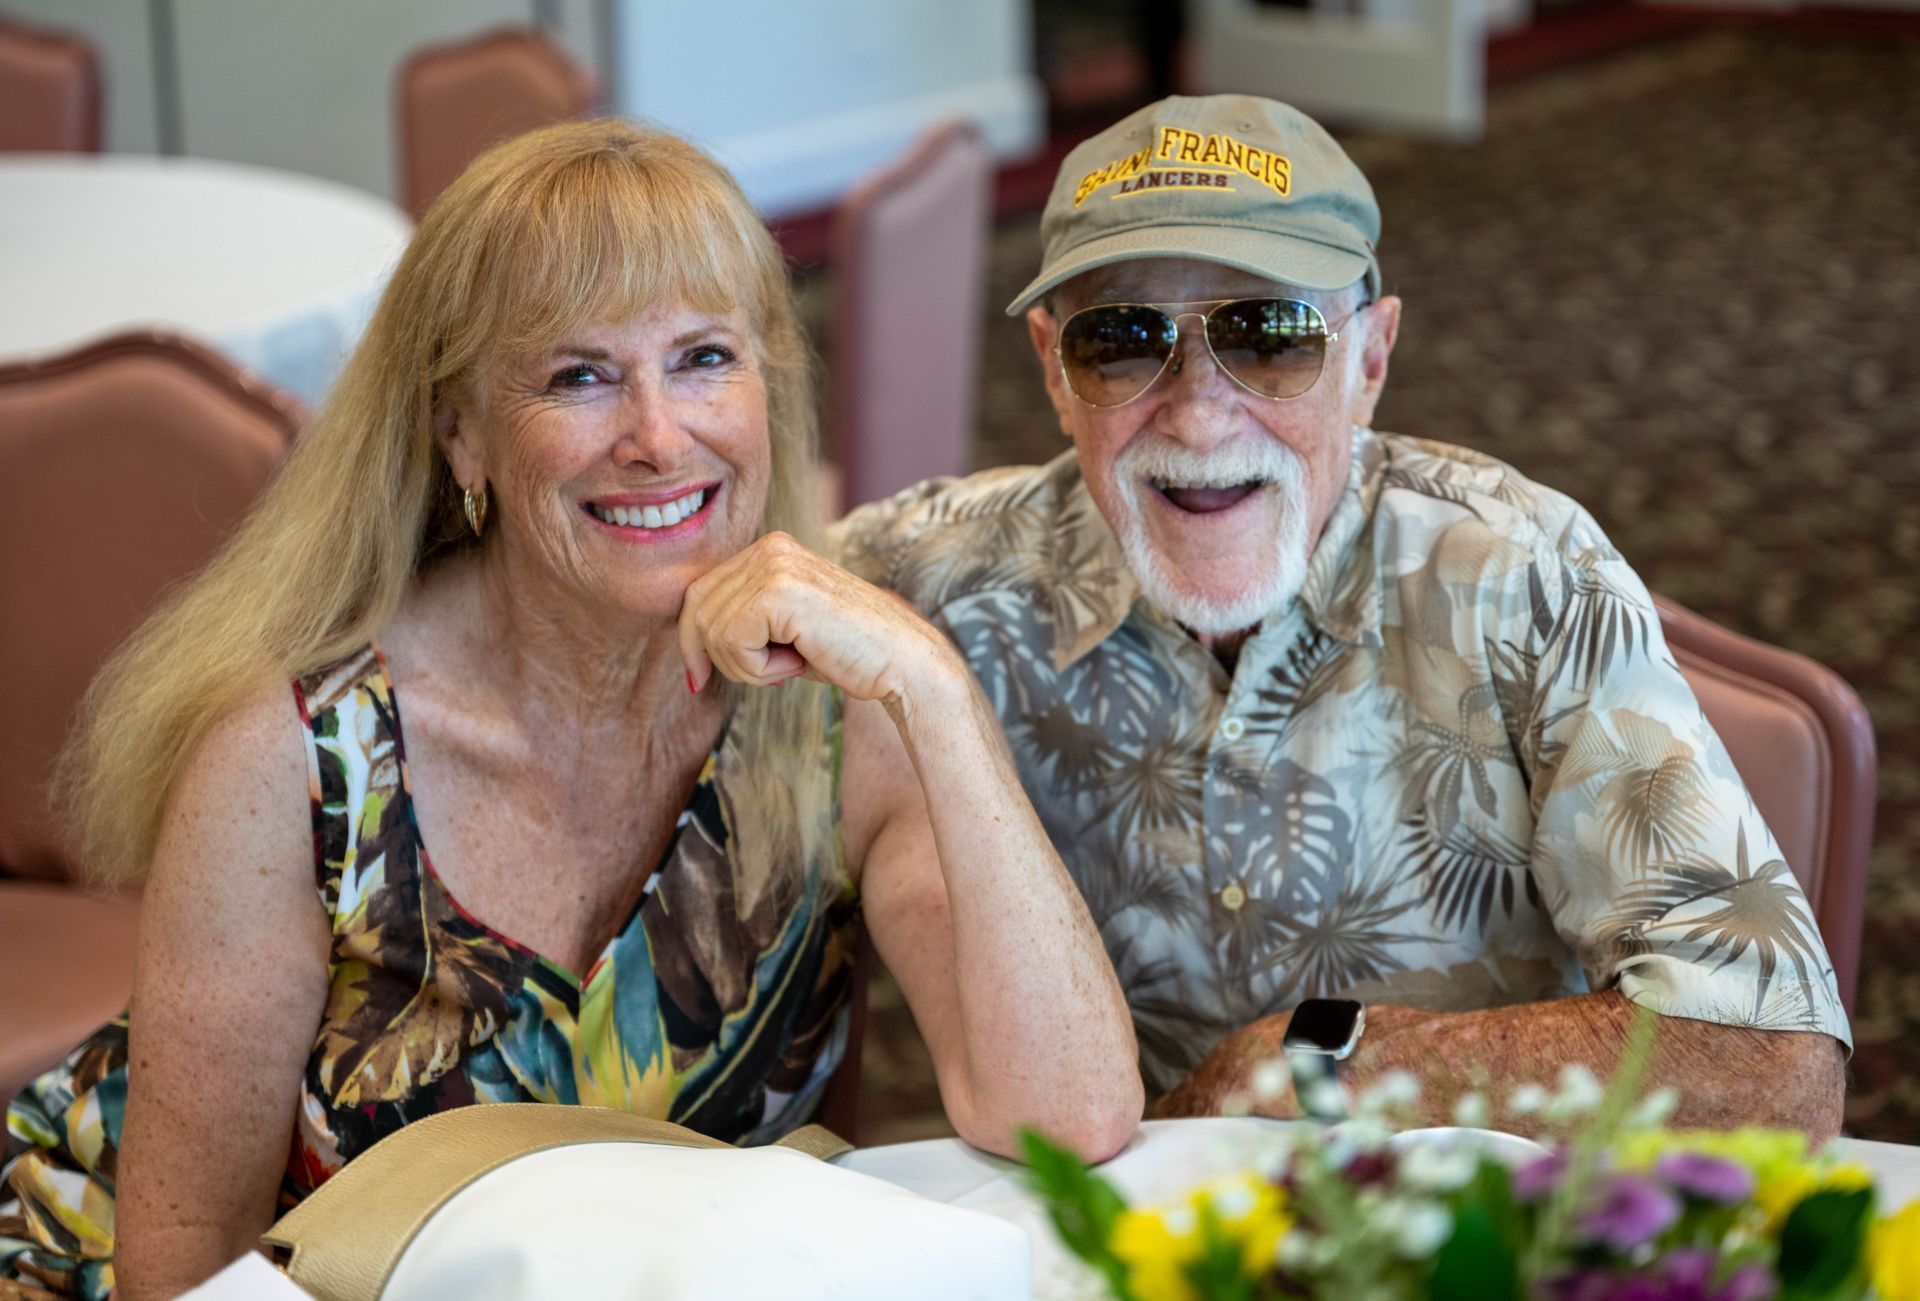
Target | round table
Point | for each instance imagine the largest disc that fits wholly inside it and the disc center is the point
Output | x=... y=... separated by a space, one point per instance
x=278 y=271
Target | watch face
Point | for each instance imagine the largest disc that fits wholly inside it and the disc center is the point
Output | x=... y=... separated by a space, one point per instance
x=1327 y=1025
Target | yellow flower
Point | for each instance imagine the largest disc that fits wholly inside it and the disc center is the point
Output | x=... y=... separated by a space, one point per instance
x=1157 y=1253
x=1158 y=1246
x=1893 y=1255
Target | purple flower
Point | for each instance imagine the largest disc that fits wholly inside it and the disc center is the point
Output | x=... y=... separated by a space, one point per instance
x=1540 y=1176
x=1684 y=1274
x=1630 y=1211
x=1710 y=1178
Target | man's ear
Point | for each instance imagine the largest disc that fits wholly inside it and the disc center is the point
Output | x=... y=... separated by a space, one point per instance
x=1044 y=331
x=1382 y=329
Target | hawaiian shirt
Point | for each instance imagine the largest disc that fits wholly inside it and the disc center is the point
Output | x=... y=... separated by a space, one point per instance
x=1461 y=770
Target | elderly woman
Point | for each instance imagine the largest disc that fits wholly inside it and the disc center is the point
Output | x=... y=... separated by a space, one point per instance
x=587 y=770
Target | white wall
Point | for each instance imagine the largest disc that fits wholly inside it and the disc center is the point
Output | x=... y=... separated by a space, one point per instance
x=291 y=83
x=802 y=99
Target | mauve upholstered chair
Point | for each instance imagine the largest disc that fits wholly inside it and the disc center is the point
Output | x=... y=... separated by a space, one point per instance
x=123 y=466
x=453 y=102
x=49 y=91
x=1803 y=744
x=909 y=248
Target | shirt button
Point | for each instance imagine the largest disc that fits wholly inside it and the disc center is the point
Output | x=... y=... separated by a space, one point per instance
x=1233 y=728
x=1233 y=897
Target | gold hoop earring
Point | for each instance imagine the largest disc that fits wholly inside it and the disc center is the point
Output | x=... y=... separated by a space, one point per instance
x=476 y=508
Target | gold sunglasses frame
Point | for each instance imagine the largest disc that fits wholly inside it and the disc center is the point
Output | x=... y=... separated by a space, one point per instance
x=1212 y=305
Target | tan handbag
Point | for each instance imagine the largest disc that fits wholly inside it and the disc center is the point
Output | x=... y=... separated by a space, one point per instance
x=514 y=1201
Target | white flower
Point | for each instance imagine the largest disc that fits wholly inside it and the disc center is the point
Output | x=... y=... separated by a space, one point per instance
x=1324 y=1099
x=1422 y=1227
x=1274 y=1156
x=1472 y=1112
x=1231 y=1198
x=1578 y=1094
x=1396 y=1090
x=1351 y=1138
x=1438 y=1167
x=1269 y=1080
x=1653 y=1110
x=1298 y=1250
x=1527 y=1099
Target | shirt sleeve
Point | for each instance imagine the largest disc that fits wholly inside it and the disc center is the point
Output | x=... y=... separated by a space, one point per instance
x=1658 y=869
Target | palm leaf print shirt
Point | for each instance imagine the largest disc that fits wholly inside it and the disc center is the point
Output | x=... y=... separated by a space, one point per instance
x=1460 y=770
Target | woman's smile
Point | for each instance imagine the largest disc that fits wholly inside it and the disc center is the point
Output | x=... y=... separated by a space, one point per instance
x=659 y=516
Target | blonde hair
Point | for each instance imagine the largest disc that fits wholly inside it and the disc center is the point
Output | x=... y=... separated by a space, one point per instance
x=583 y=222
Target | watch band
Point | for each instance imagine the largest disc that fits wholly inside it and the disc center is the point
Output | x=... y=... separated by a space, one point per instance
x=1316 y=1084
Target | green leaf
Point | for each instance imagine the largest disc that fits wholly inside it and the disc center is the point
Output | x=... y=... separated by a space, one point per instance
x=1822 y=1242
x=1477 y=1263
x=1220 y=1273
x=1082 y=1205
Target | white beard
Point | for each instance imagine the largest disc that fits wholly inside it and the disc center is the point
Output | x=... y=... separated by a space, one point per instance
x=1286 y=478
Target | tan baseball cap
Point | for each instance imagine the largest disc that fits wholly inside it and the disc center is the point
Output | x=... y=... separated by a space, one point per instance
x=1246 y=182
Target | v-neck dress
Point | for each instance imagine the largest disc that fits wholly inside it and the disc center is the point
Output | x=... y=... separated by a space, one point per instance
x=720 y=1004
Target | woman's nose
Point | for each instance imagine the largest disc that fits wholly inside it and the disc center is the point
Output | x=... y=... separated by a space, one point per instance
x=651 y=432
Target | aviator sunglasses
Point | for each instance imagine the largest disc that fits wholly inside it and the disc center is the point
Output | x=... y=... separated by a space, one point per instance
x=1111 y=353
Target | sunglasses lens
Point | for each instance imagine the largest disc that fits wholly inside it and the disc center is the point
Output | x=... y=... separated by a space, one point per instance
x=1274 y=346
x=1111 y=354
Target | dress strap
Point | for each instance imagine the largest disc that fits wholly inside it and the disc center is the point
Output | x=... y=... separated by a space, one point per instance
x=352 y=764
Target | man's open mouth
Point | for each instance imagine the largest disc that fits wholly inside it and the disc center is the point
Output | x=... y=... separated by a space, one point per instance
x=1206 y=498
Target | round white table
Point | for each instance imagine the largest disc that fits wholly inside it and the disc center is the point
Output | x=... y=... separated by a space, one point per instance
x=276 y=270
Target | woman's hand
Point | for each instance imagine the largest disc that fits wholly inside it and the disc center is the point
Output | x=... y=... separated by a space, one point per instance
x=776 y=611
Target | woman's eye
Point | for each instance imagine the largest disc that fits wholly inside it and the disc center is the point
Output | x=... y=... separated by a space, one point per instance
x=574 y=377
x=708 y=356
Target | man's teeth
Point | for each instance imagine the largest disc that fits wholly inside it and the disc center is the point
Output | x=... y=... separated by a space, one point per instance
x=1165 y=485
x=652 y=517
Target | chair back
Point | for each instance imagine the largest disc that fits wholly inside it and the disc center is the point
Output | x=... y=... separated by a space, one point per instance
x=456 y=101
x=123 y=466
x=1803 y=744
x=49 y=91
x=909 y=250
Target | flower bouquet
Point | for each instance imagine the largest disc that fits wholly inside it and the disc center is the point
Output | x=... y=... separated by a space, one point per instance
x=1614 y=1207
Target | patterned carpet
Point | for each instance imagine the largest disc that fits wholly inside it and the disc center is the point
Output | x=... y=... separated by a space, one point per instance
x=1679 y=284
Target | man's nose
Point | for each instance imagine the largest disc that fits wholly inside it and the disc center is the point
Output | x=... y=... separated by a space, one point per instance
x=1198 y=403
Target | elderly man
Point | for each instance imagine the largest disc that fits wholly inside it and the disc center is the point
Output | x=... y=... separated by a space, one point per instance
x=1315 y=711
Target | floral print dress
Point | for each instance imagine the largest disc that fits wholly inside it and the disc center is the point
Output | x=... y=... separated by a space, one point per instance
x=720 y=1005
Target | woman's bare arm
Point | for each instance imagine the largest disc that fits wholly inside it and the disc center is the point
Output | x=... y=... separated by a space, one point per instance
x=229 y=990
x=967 y=902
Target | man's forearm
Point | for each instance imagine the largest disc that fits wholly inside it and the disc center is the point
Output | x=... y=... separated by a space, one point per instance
x=1726 y=1076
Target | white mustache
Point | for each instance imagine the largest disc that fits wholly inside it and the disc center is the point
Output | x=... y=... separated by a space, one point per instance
x=1166 y=460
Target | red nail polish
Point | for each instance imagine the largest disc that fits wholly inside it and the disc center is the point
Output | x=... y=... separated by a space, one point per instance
x=693 y=690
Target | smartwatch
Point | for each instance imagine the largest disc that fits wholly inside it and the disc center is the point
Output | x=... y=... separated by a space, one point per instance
x=1321 y=1034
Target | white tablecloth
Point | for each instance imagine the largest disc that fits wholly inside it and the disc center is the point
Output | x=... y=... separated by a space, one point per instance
x=947 y=1170
x=276 y=270
x=1165 y=1158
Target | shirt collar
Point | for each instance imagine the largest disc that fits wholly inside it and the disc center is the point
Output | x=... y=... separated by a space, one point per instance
x=1340 y=596
x=1094 y=589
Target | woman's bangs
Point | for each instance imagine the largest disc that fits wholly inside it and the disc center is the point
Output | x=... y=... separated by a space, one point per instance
x=607 y=240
